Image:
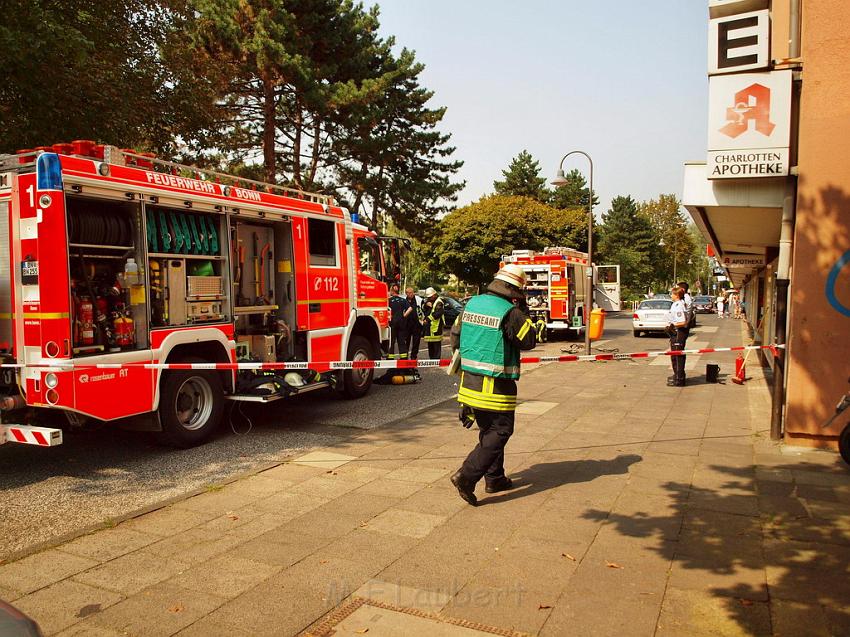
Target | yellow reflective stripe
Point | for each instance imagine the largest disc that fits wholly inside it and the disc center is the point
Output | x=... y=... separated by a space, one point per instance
x=322 y=301
x=432 y=339
x=375 y=300
x=488 y=397
x=39 y=315
x=524 y=329
x=484 y=403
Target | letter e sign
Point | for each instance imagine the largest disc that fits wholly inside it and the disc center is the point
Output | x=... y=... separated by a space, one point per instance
x=739 y=42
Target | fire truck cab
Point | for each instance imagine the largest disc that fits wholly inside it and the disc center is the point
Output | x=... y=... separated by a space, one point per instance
x=112 y=262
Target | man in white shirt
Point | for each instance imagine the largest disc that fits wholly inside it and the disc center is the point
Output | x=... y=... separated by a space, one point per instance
x=678 y=330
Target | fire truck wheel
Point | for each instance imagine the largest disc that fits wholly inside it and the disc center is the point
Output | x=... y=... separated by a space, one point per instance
x=190 y=406
x=356 y=382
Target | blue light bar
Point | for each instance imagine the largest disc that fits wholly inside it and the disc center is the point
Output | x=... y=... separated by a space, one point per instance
x=48 y=172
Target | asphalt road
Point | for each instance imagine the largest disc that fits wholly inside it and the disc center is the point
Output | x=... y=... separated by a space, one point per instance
x=97 y=476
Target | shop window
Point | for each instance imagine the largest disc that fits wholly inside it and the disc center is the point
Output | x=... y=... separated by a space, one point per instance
x=322 y=237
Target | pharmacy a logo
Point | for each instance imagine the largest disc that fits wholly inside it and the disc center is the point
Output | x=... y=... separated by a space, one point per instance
x=751 y=104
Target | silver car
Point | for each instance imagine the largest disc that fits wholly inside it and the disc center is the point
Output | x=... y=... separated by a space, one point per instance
x=652 y=315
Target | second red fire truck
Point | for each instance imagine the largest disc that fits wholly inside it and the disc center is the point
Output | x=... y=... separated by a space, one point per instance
x=112 y=262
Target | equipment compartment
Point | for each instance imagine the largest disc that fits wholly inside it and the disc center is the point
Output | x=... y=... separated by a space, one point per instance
x=108 y=298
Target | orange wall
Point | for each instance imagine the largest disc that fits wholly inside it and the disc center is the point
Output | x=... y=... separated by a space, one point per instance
x=819 y=335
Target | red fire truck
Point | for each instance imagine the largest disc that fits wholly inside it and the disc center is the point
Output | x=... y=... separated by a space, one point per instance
x=115 y=258
x=556 y=287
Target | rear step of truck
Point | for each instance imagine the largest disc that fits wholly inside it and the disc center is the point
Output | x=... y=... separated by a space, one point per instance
x=27 y=435
x=268 y=398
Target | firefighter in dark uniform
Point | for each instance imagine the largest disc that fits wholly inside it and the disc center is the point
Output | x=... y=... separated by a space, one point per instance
x=398 y=305
x=432 y=326
x=490 y=334
x=413 y=317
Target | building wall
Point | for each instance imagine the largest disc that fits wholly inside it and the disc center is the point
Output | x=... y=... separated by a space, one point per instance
x=819 y=332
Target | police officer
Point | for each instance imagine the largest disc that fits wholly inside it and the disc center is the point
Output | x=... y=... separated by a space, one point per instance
x=433 y=323
x=490 y=334
x=677 y=328
x=398 y=304
x=689 y=305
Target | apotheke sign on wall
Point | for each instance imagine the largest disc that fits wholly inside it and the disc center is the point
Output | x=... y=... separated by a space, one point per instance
x=749 y=125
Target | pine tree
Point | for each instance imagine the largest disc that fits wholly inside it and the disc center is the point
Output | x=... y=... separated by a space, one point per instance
x=628 y=239
x=522 y=178
x=573 y=194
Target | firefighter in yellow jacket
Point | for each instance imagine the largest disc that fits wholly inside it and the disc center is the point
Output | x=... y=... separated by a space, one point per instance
x=432 y=323
x=491 y=332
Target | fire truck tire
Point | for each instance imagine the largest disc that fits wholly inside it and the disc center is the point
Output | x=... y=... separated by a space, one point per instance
x=191 y=405
x=356 y=382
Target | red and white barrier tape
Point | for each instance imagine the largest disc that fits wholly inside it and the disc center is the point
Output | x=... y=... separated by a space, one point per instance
x=386 y=364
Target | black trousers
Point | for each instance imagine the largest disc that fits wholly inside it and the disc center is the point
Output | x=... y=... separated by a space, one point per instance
x=411 y=334
x=677 y=344
x=435 y=348
x=487 y=460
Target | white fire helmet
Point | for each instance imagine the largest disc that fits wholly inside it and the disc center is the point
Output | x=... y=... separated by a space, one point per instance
x=430 y=292
x=512 y=274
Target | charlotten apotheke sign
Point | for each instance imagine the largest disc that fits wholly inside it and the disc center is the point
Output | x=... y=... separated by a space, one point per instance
x=749 y=121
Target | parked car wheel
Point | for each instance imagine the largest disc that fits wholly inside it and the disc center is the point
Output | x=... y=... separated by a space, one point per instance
x=637 y=333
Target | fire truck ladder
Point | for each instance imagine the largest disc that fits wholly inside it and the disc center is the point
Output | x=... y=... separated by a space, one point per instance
x=116 y=156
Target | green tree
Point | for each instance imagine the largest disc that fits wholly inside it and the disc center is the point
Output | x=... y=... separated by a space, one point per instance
x=311 y=89
x=670 y=225
x=472 y=239
x=522 y=178
x=573 y=194
x=628 y=239
x=80 y=69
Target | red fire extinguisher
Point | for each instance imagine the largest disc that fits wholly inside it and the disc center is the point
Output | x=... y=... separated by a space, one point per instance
x=125 y=330
x=85 y=314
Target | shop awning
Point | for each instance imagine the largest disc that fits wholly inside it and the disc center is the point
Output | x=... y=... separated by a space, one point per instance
x=740 y=216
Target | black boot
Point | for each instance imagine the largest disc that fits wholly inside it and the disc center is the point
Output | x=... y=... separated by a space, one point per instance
x=465 y=488
x=499 y=484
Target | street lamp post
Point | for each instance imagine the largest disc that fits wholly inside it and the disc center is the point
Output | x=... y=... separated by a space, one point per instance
x=662 y=244
x=559 y=182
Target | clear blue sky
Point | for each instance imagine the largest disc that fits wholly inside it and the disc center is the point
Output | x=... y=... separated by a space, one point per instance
x=624 y=81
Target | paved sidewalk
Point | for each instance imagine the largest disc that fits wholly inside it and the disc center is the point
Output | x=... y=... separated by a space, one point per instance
x=640 y=509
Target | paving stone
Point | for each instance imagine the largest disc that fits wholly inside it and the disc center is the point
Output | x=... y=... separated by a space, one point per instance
x=390 y=488
x=167 y=521
x=8 y=595
x=42 y=569
x=290 y=504
x=110 y=543
x=292 y=473
x=403 y=596
x=87 y=629
x=434 y=499
x=422 y=475
x=737 y=574
x=709 y=523
x=701 y=613
x=327 y=487
x=163 y=609
x=65 y=603
x=193 y=546
x=793 y=618
x=406 y=523
x=227 y=576
x=279 y=549
x=369 y=547
x=133 y=572
x=534 y=407
x=323 y=459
